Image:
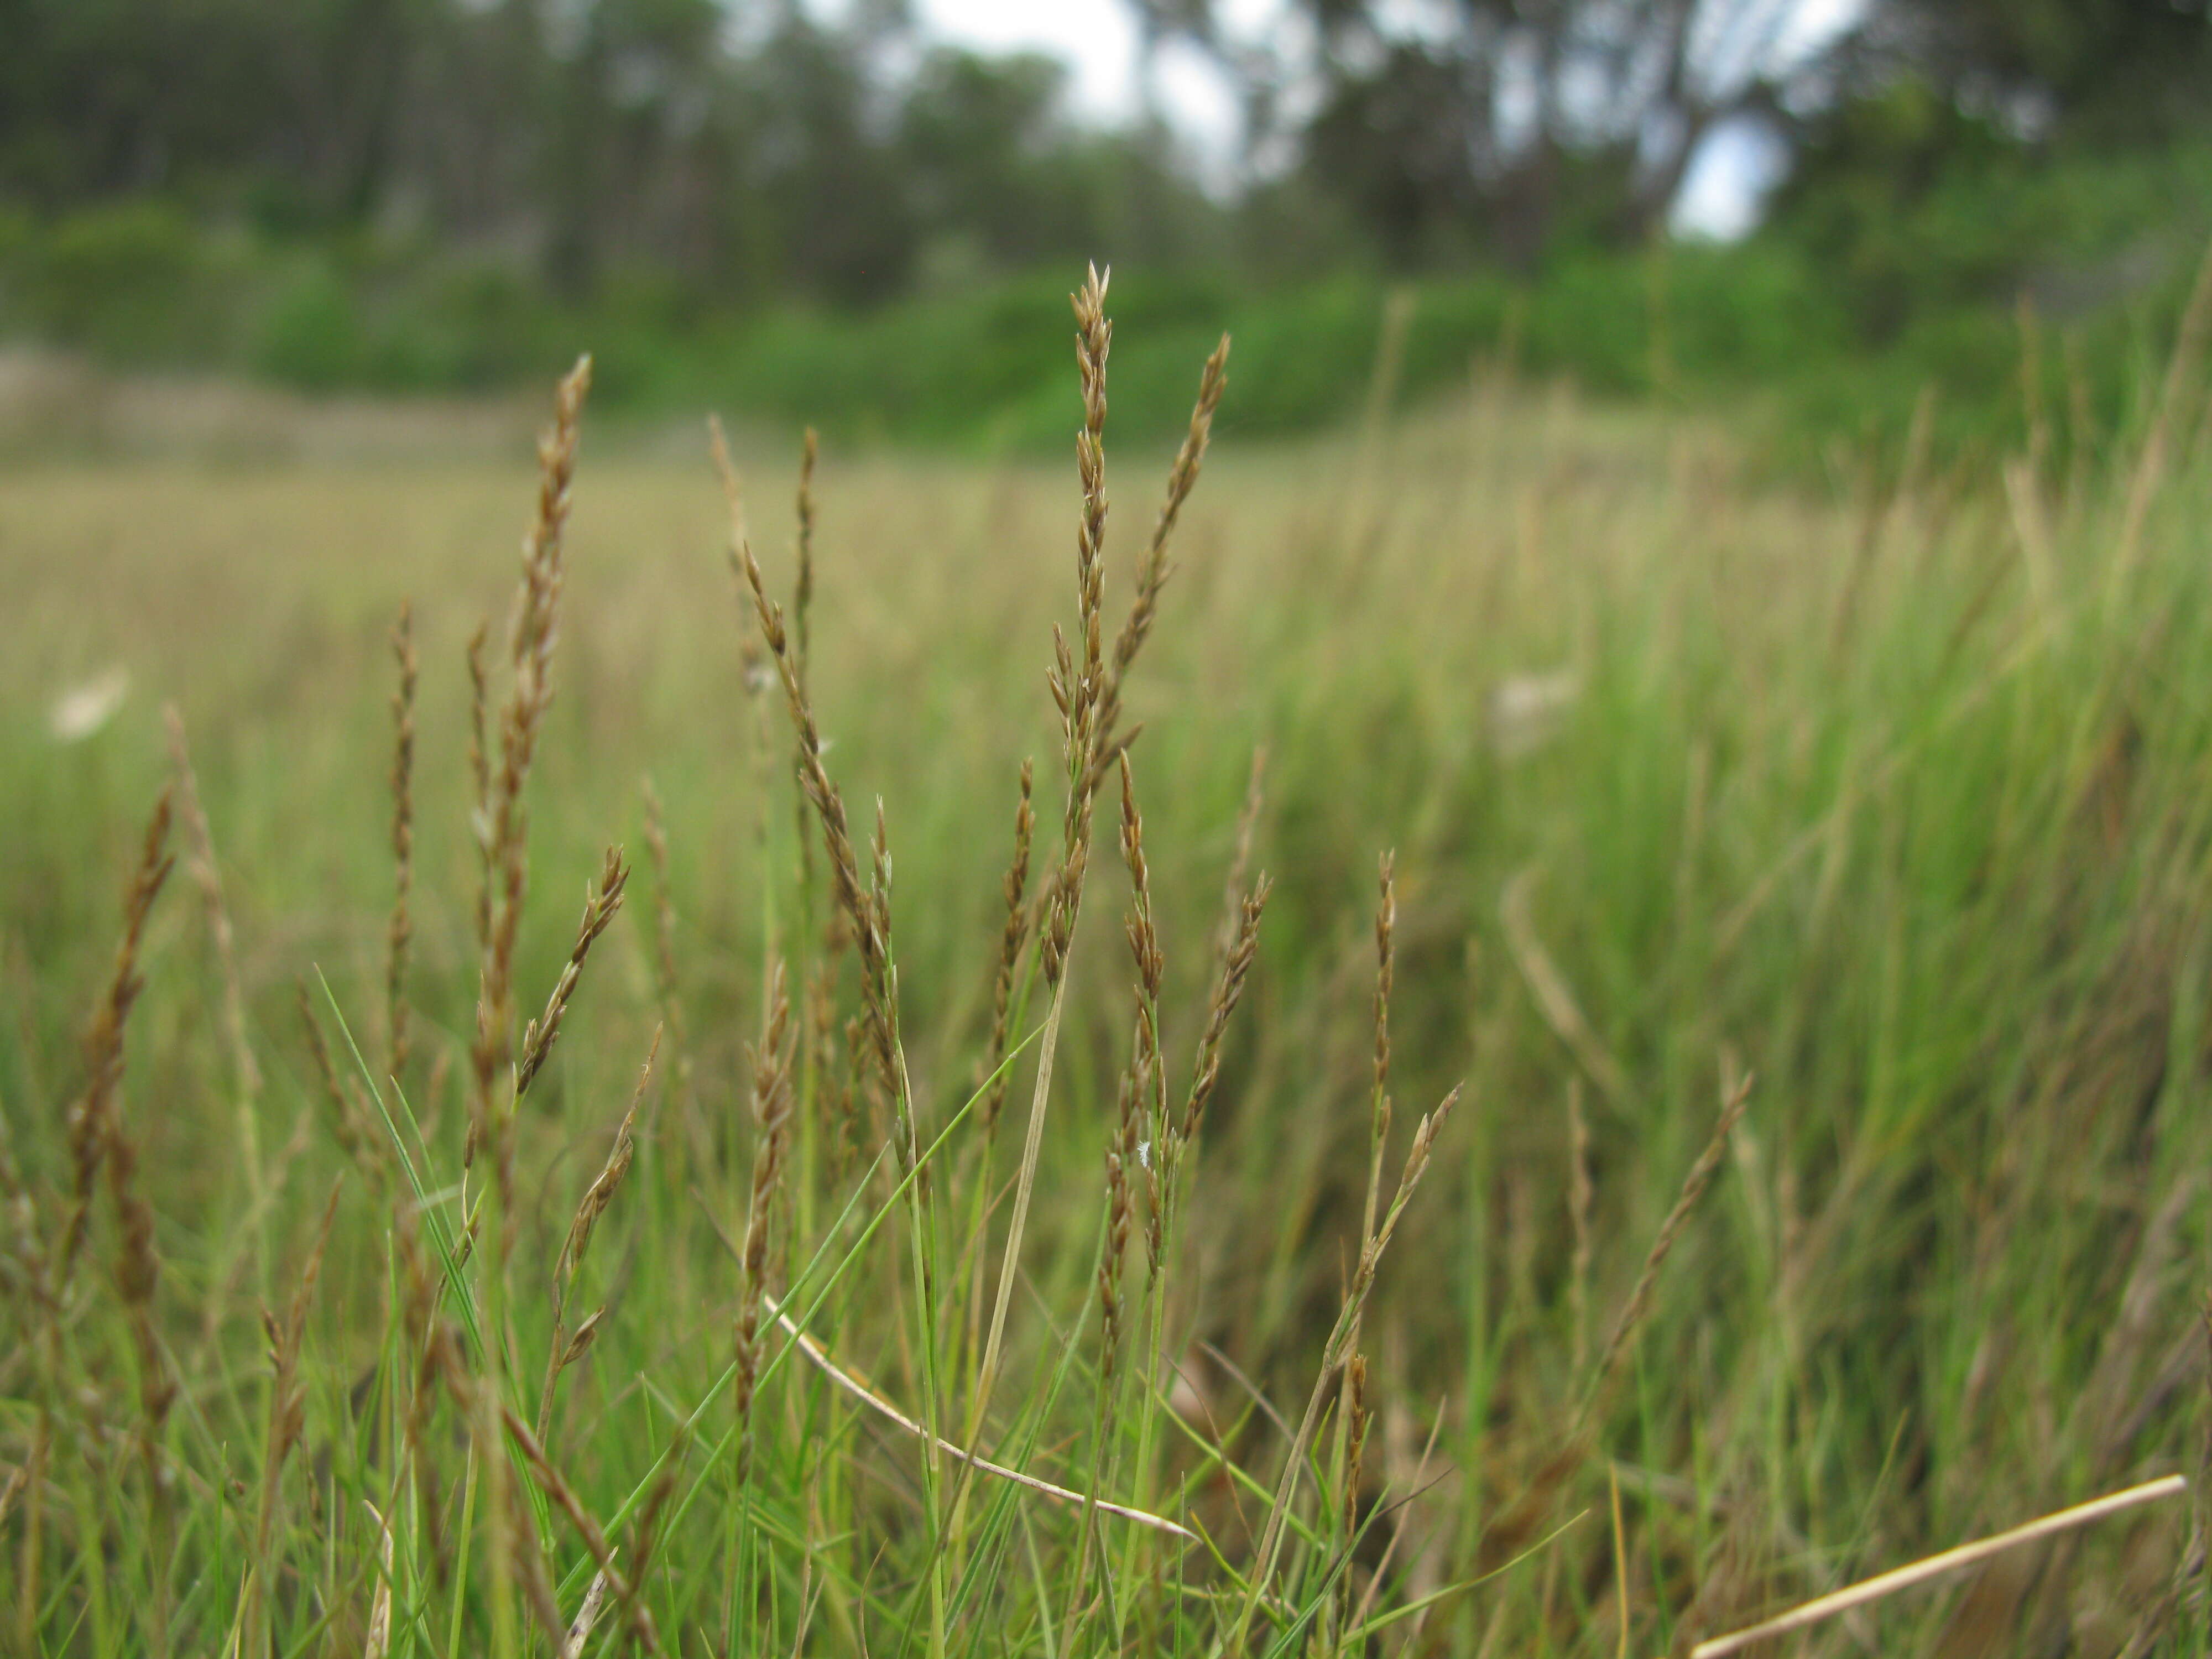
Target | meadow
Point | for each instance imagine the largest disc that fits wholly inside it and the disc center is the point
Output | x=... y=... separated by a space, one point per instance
x=1804 y=890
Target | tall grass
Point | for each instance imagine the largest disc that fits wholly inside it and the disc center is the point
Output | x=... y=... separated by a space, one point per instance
x=1810 y=896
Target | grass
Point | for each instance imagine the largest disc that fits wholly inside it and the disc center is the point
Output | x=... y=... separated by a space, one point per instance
x=1843 y=860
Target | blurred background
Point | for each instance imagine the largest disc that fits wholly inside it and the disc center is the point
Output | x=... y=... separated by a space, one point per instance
x=866 y=213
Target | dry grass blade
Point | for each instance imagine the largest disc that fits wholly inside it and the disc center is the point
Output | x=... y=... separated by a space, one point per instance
x=402 y=930
x=378 y=1643
x=1553 y=999
x=1937 y=1566
x=856 y=1385
x=588 y=1616
x=1735 y=1095
x=601 y=905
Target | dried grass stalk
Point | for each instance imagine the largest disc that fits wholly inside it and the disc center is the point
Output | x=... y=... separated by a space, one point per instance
x=859 y=1387
x=1937 y=1566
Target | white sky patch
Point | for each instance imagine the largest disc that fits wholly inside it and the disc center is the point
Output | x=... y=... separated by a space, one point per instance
x=1735 y=167
x=1100 y=43
x=1097 y=39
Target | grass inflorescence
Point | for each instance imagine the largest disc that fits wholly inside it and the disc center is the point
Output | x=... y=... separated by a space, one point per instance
x=784 y=1338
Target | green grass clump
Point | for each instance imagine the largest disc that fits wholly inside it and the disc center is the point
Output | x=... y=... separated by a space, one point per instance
x=1806 y=896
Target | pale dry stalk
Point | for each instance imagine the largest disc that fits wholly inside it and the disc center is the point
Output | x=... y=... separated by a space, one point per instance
x=860 y=1389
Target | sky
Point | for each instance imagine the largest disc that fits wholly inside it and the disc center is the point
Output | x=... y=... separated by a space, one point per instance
x=1099 y=41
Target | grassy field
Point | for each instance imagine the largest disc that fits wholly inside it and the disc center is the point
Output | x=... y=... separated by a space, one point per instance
x=1897 y=805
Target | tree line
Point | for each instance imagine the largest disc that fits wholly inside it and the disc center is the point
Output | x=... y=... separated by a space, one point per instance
x=747 y=148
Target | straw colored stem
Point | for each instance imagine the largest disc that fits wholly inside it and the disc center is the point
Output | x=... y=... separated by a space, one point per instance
x=1937 y=1566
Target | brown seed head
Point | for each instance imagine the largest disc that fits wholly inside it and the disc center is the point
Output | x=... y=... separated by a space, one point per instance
x=601 y=905
x=1227 y=991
